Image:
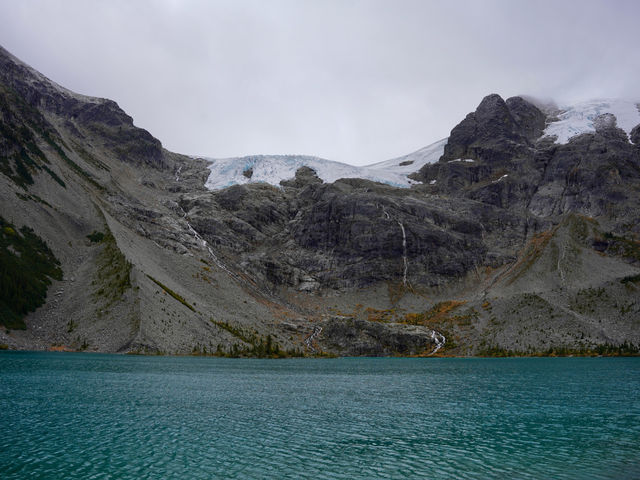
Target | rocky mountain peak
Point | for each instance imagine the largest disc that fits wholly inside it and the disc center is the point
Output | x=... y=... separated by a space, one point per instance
x=495 y=124
x=493 y=109
x=37 y=89
x=102 y=117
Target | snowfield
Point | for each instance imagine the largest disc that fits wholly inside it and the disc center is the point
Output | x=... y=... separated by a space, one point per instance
x=579 y=118
x=274 y=168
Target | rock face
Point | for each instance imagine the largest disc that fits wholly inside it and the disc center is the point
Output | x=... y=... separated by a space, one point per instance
x=85 y=116
x=635 y=135
x=511 y=242
x=355 y=337
x=496 y=131
x=352 y=233
x=511 y=170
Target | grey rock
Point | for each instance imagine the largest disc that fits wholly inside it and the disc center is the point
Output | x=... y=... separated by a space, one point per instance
x=304 y=176
x=354 y=337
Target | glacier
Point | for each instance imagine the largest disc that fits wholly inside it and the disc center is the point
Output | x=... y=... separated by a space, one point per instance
x=579 y=118
x=272 y=169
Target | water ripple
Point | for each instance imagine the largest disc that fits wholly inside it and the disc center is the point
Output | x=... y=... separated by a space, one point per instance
x=115 y=417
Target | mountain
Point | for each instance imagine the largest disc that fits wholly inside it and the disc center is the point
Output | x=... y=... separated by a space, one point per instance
x=517 y=234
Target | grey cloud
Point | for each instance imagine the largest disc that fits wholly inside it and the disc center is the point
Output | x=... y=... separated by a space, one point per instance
x=354 y=81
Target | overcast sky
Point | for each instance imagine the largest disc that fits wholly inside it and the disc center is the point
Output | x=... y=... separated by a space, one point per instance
x=353 y=81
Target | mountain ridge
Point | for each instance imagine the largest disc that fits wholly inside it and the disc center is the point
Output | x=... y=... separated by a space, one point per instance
x=510 y=242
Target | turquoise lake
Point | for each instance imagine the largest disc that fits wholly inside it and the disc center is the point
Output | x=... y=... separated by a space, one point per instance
x=91 y=416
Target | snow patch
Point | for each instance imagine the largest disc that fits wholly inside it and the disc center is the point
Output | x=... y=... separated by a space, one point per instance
x=501 y=178
x=468 y=160
x=414 y=161
x=580 y=118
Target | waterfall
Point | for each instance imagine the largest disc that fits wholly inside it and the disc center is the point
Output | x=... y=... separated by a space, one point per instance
x=404 y=253
x=404 y=243
x=439 y=339
x=560 y=260
x=309 y=340
x=204 y=243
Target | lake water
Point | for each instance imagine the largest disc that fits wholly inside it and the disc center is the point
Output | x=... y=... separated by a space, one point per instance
x=89 y=416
